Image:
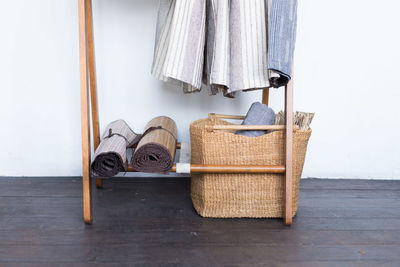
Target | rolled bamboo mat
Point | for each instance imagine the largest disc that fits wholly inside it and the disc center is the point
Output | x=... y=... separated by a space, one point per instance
x=110 y=157
x=156 y=150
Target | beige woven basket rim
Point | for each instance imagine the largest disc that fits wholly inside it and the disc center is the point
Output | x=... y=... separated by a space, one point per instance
x=232 y=133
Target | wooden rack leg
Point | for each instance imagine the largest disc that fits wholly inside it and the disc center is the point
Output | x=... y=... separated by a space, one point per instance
x=93 y=83
x=265 y=96
x=289 y=153
x=85 y=118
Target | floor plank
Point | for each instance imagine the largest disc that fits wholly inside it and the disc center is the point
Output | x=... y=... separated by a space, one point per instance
x=152 y=222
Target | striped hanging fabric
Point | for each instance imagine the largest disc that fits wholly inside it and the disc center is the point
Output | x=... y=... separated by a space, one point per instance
x=180 y=38
x=219 y=43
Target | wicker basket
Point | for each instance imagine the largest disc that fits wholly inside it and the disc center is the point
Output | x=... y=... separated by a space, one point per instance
x=243 y=195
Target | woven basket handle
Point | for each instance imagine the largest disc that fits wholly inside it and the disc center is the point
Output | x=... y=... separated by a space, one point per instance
x=246 y=127
x=212 y=127
x=223 y=116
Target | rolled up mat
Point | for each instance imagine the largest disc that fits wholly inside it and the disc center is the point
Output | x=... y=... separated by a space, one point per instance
x=258 y=114
x=110 y=157
x=155 y=151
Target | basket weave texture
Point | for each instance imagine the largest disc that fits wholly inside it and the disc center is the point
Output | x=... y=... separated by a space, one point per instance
x=243 y=195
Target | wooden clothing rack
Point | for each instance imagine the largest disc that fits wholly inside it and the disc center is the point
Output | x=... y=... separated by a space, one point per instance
x=88 y=93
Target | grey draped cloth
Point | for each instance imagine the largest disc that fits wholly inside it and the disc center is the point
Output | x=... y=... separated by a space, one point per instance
x=282 y=39
x=258 y=114
x=110 y=157
x=220 y=43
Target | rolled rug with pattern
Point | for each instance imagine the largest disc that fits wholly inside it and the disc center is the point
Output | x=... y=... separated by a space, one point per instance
x=110 y=157
x=155 y=151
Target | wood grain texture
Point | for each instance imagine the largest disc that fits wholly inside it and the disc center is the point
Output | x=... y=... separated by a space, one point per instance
x=206 y=168
x=93 y=83
x=199 y=168
x=152 y=222
x=265 y=96
x=85 y=117
x=289 y=152
x=92 y=76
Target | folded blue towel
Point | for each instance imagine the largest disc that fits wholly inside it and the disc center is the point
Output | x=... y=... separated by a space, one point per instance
x=258 y=114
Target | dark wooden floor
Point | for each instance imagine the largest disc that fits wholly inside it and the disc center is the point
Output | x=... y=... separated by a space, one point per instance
x=152 y=222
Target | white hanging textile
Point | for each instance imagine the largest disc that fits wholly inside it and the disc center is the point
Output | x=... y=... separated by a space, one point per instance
x=221 y=43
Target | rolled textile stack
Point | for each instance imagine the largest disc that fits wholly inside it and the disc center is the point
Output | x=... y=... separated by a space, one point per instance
x=110 y=156
x=303 y=120
x=155 y=151
x=300 y=119
x=258 y=114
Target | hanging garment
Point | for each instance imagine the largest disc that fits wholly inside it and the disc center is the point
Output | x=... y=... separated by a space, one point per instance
x=236 y=52
x=180 y=38
x=282 y=38
x=222 y=43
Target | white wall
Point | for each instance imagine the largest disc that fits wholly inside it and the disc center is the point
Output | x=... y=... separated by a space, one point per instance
x=346 y=71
